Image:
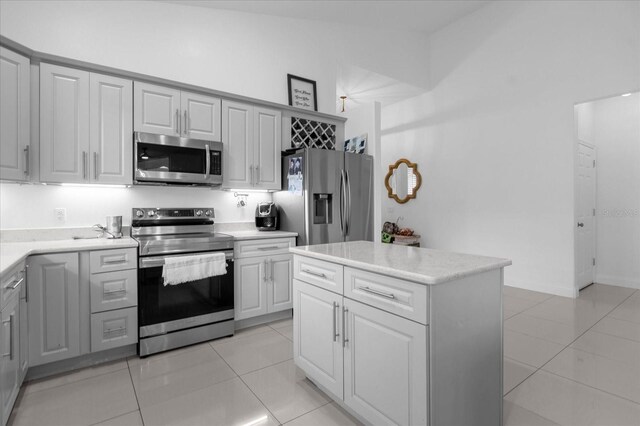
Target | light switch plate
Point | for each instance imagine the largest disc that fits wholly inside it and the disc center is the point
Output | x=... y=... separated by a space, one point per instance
x=60 y=214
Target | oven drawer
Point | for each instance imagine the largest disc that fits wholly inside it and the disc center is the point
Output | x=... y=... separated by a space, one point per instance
x=114 y=290
x=251 y=248
x=318 y=272
x=114 y=328
x=112 y=260
x=400 y=297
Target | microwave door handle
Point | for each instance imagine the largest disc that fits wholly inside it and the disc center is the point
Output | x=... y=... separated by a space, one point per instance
x=207 y=161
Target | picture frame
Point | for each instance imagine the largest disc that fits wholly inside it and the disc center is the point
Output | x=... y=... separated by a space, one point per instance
x=356 y=144
x=302 y=92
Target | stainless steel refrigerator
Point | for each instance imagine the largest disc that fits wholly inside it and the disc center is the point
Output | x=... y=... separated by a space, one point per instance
x=327 y=196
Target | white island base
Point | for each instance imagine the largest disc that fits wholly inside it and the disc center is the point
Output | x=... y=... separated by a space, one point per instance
x=401 y=335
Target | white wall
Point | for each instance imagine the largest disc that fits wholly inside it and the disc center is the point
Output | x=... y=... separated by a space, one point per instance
x=246 y=54
x=32 y=206
x=616 y=134
x=494 y=137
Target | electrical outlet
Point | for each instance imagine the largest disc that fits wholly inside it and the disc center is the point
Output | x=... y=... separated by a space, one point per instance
x=60 y=214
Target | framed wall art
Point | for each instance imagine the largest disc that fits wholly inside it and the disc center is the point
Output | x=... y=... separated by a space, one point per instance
x=302 y=93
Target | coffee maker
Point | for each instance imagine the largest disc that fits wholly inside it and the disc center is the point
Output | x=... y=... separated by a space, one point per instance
x=266 y=216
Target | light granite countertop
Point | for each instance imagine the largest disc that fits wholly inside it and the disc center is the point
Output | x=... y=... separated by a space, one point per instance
x=254 y=234
x=12 y=253
x=426 y=266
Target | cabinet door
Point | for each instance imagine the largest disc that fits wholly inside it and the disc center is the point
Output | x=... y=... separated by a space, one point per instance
x=317 y=344
x=111 y=129
x=250 y=287
x=201 y=116
x=279 y=274
x=267 y=146
x=24 y=336
x=64 y=124
x=14 y=116
x=385 y=366
x=54 y=307
x=237 y=137
x=10 y=363
x=156 y=109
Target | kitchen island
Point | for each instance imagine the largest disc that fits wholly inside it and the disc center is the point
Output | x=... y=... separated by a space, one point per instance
x=401 y=335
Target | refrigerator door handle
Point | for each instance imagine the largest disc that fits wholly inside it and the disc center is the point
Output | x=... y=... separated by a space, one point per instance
x=342 y=202
x=348 y=204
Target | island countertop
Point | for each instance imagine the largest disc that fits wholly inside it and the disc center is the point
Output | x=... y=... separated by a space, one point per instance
x=426 y=266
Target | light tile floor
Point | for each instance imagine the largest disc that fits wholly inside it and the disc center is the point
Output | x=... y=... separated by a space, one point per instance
x=568 y=362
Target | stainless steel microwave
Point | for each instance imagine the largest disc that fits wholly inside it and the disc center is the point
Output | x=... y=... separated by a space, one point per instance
x=172 y=160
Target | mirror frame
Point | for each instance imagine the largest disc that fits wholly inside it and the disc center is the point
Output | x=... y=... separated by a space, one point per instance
x=393 y=167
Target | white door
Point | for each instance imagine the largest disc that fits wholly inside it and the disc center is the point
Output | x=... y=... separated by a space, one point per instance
x=317 y=342
x=267 y=147
x=64 y=124
x=385 y=374
x=111 y=129
x=250 y=287
x=14 y=115
x=585 y=215
x=201 y=116
x=279 y=274
x=156 y=109
x=237 y=137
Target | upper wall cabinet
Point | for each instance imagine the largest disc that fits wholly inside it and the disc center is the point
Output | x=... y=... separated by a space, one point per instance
x=14 y=116
x=252 y=145
x=166 y=111
x=85 y=127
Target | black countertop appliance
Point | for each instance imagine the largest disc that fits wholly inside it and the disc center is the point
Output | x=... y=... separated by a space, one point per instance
x=267 y=216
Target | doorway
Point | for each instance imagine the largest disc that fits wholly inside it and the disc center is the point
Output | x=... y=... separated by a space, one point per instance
x=585 y=214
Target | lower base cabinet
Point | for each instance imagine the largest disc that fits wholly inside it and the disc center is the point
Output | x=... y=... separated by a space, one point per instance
x=372 y=360
x=113 y=329
x=10 y=362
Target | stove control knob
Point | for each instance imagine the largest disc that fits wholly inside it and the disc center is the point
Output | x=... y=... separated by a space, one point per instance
x=139 y=213
x=151 y=213
x=208 y=213
x=198 y=212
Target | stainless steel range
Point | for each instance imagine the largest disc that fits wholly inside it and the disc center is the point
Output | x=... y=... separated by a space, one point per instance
x=179 y=315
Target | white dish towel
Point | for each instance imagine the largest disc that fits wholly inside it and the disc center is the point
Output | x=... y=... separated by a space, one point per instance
x=182 y=269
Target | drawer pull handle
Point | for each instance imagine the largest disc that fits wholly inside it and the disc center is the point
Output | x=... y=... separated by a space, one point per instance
x=317 y=274
x=110 y=292
x=269 y=248
x=379 y=293
x=115 y=330
x=110 y=262
x=14 y=284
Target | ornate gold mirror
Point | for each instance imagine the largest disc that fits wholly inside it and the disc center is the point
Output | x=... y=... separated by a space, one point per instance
x=403 y=180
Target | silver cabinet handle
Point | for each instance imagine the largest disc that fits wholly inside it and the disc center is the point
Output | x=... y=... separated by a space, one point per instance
x=113 y=330
x=110 y=292
x=111 y=262
x=95 y=165
x=26 y=160
x=317 y=274
x=271 y=270
x=264 y=272
x=378 y=292
x=186 y=123
x=268 y=248
x=336 y=334
x=345 y=315
x=10 y=322
x=580 y=224
x=14 y=284
x=178 y=121
x=257 y=175
x=207 y=160
x=84 y=165
x=251 y=169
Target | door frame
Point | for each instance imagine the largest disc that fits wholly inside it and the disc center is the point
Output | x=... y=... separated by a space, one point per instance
x=576 y=159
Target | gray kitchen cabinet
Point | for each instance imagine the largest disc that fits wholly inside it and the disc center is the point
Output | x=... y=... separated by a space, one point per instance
x=252 y=144
x=54 y=307
x=112 y=329
x=85 y=127
x=250 y=288
x=14 y=116
x=279 y=275
x=111 y=127
x=10 y=363
x=24 y=332
x=165 y=111
x=64 y=124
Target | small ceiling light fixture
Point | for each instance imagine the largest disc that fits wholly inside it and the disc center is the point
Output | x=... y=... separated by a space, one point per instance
x=343 y=98
x=626 y=94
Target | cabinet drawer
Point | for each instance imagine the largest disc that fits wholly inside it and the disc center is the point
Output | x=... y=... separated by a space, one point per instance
x=268 y=247
x=114 y=290
x=112 y=260
x=404 y=298
x=318 y=272
x=114 y=328
x=13 y=280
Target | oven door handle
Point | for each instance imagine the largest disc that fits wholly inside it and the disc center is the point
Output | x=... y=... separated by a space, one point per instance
x=207 y=161
x=155 y=261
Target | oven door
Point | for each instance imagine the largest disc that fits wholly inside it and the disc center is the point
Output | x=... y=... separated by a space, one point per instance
x=170 y=159
x=163 y=309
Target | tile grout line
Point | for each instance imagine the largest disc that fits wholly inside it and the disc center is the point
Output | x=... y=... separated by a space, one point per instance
x=69 y=383
x=135 y=392
x=309 y=412
x=563 y=349
x=119 y=415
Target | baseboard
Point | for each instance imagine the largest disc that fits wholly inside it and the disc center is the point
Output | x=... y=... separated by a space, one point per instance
x=617 y=280
x=556 y=290
x=263 y=319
